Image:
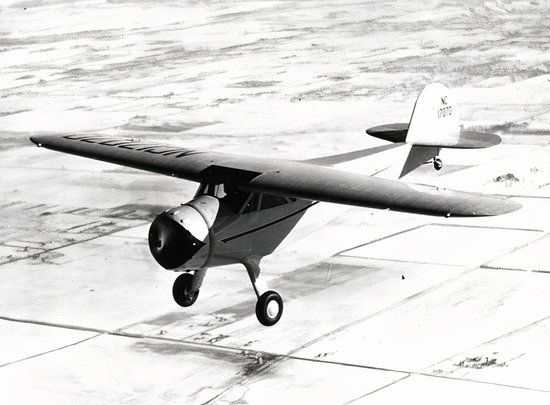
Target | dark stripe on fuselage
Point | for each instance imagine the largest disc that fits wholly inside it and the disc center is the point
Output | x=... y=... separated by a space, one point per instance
x=259 y=228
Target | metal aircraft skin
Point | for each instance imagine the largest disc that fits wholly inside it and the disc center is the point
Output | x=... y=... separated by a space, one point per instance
x=246 y=206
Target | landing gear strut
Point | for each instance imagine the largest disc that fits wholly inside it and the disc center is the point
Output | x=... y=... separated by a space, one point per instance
x=186 y=288
x=438 y=164
x=269 y=307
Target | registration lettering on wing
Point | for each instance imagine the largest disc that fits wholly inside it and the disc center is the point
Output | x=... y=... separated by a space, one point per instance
x=129 y=144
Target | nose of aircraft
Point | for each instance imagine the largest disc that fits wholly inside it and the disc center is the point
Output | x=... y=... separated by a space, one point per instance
x=170 y=243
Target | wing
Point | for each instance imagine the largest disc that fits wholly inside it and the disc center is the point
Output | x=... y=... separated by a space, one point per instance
x=280 y=177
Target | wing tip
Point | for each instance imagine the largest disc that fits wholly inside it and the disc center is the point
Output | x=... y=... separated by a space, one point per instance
x=43 y=139
x=510 y=206
x=500 y=207
x=35 y=140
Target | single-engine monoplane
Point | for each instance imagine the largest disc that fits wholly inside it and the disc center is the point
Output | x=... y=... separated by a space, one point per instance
x=245 y=206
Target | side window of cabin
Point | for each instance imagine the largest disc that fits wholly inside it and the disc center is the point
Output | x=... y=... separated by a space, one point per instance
x=251 y=204
x=272 y=201
x=237 y=201
x=232 y=197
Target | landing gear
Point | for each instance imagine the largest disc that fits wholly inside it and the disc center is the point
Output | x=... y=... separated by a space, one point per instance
x=269 y=307
x=186 y=288
x=438 y=164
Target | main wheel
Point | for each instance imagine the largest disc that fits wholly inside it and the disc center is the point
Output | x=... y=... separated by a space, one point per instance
x=180 y=290
x=438 y=164
x=269 y=308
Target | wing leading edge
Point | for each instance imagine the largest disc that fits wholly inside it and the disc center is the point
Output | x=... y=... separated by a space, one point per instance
x=280 y=177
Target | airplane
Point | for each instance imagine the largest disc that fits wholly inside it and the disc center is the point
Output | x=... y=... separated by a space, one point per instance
x=246 y=206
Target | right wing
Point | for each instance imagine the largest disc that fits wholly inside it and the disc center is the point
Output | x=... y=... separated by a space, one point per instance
x=279 y=177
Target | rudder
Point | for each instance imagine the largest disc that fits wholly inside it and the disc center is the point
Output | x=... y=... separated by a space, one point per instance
x=434 y=120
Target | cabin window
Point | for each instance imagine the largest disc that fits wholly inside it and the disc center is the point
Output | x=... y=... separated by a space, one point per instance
x=214 y=190
x=251 y=204
x=203 y=189
x=237 y=201
x=232 y=197
x=220 y=191
x=272 y=201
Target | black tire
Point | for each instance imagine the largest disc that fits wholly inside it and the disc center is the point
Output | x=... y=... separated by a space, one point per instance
x=264 y=311
x=180 y=291
x=438 y=164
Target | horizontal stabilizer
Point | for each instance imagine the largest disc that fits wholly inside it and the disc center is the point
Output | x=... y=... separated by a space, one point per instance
x=397 y=133
x=475 y=140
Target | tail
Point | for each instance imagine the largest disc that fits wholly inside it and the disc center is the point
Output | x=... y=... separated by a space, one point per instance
x=434 y=125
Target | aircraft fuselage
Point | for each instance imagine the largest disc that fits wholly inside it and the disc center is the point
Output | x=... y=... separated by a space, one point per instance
x=223 y=225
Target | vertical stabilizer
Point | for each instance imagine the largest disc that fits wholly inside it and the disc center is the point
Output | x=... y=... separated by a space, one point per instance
x=434 y=120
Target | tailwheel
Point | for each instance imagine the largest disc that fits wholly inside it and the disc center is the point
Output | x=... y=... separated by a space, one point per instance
x=182 y=290
x=269 y=308
x=438 y=163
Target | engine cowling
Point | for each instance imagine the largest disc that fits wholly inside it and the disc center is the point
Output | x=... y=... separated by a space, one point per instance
x=179 y=237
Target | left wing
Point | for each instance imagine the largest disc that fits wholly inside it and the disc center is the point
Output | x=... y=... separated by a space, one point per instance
x=279 y=177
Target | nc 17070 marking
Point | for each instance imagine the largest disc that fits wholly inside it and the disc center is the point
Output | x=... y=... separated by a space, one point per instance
x=134 y=145
x=444 y=112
